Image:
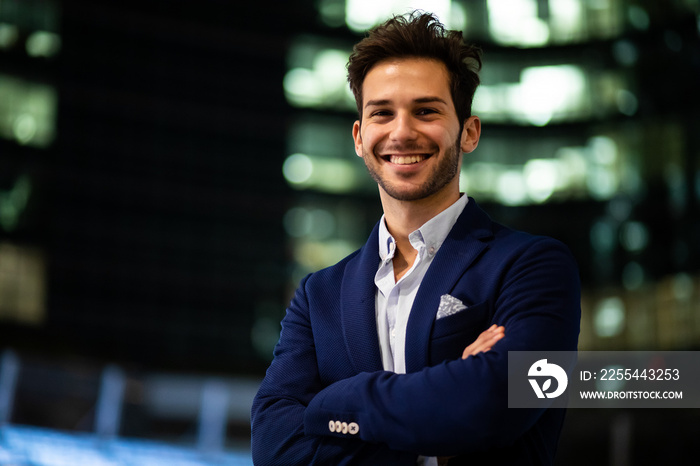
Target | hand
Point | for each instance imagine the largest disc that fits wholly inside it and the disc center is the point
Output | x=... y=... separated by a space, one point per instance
x=485 y=341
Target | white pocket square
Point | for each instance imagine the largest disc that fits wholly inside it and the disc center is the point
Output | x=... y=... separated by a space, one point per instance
x=449 y=305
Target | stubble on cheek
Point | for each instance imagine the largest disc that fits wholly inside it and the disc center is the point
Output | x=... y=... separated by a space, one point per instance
x=445 y=171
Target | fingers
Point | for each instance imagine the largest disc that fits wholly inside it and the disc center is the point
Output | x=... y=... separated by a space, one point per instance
x=485 y=341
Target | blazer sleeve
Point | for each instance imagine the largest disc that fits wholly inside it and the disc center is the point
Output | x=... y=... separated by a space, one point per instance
x=278 y=436
x=460 y=406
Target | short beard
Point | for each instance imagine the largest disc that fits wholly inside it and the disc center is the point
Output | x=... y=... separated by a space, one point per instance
x=444 y=173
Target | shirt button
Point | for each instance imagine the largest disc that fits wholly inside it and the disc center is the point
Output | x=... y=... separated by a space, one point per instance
x=353 y=428
x=331 y=426
x=431 y=250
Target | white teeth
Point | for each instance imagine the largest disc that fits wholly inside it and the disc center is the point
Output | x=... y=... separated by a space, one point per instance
x=405 y=159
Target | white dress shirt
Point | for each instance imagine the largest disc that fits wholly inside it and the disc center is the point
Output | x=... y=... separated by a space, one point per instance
x=394 y=299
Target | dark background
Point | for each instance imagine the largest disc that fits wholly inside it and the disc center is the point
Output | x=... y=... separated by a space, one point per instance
x=159 y=205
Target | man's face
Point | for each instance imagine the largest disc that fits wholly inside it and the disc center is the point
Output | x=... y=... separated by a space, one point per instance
x=410 y=136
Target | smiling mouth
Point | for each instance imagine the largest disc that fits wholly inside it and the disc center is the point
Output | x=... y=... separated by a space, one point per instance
x=406 y=159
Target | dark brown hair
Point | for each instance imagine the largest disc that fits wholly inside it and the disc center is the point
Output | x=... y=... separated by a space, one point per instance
x=419 y=35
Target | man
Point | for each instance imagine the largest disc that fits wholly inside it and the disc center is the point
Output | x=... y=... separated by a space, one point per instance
x=375 y=363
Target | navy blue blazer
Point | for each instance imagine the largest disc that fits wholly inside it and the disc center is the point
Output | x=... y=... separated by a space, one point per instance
x=326 y=400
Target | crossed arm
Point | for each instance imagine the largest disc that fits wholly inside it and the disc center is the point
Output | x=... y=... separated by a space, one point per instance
x=482 y=344
x=425 y=412
x=296 y=446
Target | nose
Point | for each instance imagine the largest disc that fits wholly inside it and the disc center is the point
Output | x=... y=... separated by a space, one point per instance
x=403 y=128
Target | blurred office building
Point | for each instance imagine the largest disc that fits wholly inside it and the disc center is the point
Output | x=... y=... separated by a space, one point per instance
x=169 y=170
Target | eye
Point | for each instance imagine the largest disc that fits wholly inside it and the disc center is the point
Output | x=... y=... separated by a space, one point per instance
x=426 y=111
x=380 y=113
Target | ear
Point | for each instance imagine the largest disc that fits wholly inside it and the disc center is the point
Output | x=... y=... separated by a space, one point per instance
x=357 y=137
x=470 y=134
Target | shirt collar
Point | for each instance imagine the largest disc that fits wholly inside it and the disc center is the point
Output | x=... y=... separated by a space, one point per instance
x=431 y=235
x=387 y=245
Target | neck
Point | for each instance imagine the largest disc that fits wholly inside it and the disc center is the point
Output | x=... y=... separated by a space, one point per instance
x=404 y=217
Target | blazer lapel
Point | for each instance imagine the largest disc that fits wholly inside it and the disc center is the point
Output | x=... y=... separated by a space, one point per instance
x=357 y=307
x=462 y=246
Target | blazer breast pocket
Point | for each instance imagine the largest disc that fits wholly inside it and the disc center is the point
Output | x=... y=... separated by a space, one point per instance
x=455 y=332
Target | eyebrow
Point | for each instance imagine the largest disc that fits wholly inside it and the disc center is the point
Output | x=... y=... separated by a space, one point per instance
x=420 y=100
